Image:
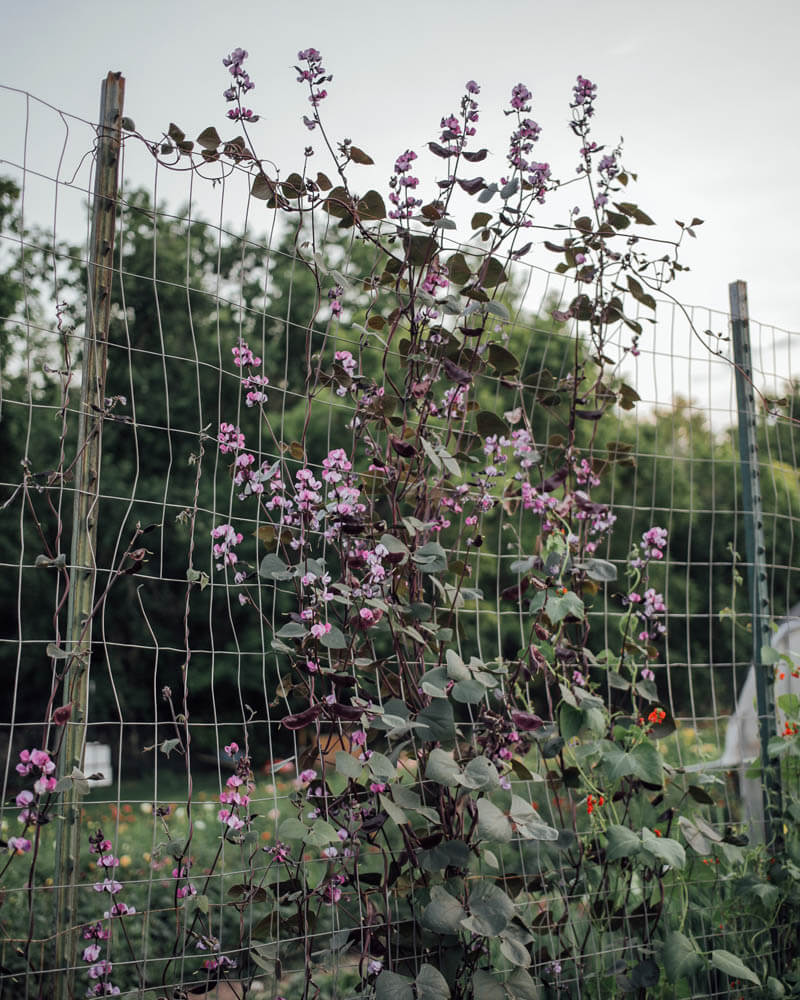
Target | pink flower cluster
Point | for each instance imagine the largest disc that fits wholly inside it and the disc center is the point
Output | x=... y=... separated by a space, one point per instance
x=100 y=968
x=436 y=278
x=350 y=365
x=226 y=537
x=254 y=386
x=652 y=605
x=401 y=183
x=181 y=873
x=314 y=75
x=230 y=438
x=655 y=540
x=455 y=131
x=520 y=97
x=584 y=93
x=335 y=298
x=241 y=85
x=243 y=356
x=39 y=763
x=235 y=798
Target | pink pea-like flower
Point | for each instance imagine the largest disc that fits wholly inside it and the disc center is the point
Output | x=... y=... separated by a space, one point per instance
x=100 y=969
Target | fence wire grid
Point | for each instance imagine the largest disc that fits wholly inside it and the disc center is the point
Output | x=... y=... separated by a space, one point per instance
x=178 y=647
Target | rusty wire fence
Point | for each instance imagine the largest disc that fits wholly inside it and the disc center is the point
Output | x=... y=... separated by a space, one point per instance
x=176 y=667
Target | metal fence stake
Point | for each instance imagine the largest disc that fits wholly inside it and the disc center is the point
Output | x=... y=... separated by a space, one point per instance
x=756 y=552
x=84 y=525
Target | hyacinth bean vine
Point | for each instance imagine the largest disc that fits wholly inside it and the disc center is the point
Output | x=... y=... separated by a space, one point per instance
x=435 y=749
x=492 y=826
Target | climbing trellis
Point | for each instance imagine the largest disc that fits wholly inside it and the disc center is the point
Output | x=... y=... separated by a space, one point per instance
x=175 y=654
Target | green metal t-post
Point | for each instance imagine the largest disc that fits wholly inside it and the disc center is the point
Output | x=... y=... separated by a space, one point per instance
x=756 y=553
x=83 y=569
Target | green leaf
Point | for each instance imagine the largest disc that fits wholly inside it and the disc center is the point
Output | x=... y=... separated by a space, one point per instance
x=490 y=909
x=274 y=568
x=169 y=745
x=733 y=966
x=643 y=762
x=790 y=704
x=665 y=849
x=529 y=823
x=520 y=985
x=348 y=765
x=497 y=309
x=337 y=203
x=489 y=423
x=393 y=811
x=390 y=986
x=393 y=545
x=421 y=249
x=515 y=952
x=502 y=360
x=371 y=208
x=480 y=220
x=322 y=833
x=430 y=451
x=646 y=974
x=436 y=722
x=775 y=988
x=431 y=984
x=479 y=773
x=359 y=156
x=442 y=768
x=381 y=766
x=468 y=691
x=431 y=558
x=635 y=213
x=292 y=630
x=558 y=607
x=601 y=570
x=292 y=829
x=699 y=835
x=570 y=721
x=680 y=957
x=640 y=294
x=444 y=913
x=622 y=843
x=457 y=269
x=434 y=682
x=700 y=795
x=450 y=854
x=263 y=187
x=209 y=138
x=334 y=639
x=486 y=987
x=493 y=824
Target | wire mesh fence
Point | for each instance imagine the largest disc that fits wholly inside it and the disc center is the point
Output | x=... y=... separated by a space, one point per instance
x=188 y=671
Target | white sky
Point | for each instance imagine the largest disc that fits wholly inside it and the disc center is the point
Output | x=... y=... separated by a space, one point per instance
x=705 y=94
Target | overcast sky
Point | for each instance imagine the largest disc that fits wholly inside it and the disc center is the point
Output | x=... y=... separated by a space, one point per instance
x=704 y=93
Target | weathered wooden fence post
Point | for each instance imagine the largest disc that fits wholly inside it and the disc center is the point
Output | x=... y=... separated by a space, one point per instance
x=756 y=552
x=83 y=567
